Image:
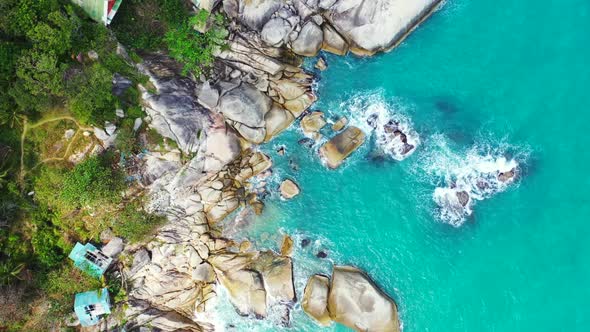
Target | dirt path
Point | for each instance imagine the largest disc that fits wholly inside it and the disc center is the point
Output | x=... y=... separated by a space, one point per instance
x=27 y=126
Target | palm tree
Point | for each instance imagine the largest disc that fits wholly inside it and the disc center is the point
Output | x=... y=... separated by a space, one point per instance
x=9 y=272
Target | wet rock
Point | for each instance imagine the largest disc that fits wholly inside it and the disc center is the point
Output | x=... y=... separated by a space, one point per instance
x=307 y=142
x=305 y=243
x=506 y=176
x=340 y=124
x=245 y=245
x=287 y=246
x=321 y=64
x=258 y=207
x=281 y=151
x=321 y=254
x=315 y=299
x=289 y=189
x=463 y=197
x=277 y=274
x=355 y=301
x=313 y=122
x=341 y=146
x=244 y=285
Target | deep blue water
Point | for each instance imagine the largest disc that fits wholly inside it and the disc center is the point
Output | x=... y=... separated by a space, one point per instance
x=479 y=78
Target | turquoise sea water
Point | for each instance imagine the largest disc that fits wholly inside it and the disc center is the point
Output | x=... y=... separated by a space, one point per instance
x=498 y=77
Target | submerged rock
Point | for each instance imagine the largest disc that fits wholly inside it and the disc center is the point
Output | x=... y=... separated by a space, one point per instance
x=315 y=299
x=355 y=301
x=341 y=146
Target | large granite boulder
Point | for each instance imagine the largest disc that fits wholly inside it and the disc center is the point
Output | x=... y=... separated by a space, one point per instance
x=355 y=301
x=315 y=299
x=309 y=41
x=275 y=32
x=173 y=108
x=245 y=107
x=333 y=41
x=277 y=274
x=289 y=189
x=277 y=120
x=313 y=122
x=378 y=25
x=245 y=286
x=252 y=13
x=341 y=146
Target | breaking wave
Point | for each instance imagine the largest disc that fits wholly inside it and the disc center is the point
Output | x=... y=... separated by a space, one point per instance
x=384 y=121
x=463 y=179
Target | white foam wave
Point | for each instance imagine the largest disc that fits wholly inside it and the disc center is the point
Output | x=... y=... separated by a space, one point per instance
x=462 y=179
x=385 y=121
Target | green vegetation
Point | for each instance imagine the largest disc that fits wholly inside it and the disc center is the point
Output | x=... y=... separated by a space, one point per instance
x=91 y=184
x=194 y=49
x=142 y=24
x=56 y=76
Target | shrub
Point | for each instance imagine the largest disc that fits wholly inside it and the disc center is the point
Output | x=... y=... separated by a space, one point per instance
x=91 y=183
x=194 y=49
x=90 y=97
x=134 y=223
x=62 y=284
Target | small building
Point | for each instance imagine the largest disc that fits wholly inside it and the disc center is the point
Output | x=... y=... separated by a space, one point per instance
x=100 y=10
x=91 y=306
x=90 y=259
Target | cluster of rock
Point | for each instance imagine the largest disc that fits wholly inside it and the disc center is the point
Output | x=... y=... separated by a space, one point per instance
x=350 y=298
x=255 y=90
x=337 y=26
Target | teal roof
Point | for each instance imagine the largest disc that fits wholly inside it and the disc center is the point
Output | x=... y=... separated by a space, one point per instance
x=91 y=306
x=89 y=259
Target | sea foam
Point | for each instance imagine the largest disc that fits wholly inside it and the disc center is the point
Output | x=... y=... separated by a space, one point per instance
x=464 y=178
x=383 y=120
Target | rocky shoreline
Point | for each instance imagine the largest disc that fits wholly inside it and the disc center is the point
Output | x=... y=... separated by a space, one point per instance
x=256 y=90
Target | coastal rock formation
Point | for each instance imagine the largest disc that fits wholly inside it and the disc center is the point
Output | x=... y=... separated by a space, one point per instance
x=341 y=146
x=315 y=299
x=289 y=189
x=351 y=298
x=378 y=25
x=255 y=280
x=309 y=40
x=245 y=107
x=313 y=122
x=356 y=302
x=340 y=124
x=173 y=109
x=255 y=90
x=337 y=26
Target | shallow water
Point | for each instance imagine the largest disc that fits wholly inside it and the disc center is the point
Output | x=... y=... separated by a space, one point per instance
x=502 y=78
